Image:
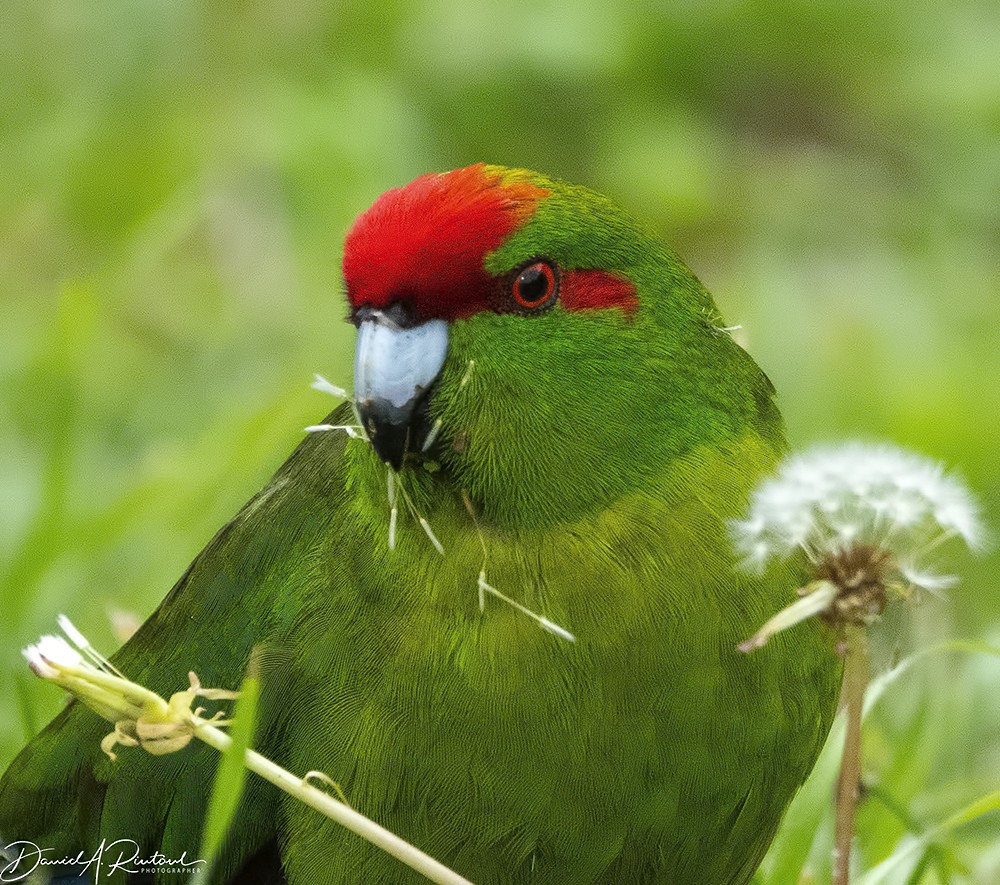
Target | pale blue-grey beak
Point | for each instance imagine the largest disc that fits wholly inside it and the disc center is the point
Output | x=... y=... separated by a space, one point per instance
x=394 y=367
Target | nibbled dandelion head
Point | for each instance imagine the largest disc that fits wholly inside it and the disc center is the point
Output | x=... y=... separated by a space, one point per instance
x=867 y=518
x=141 y=717
x=833 y=498
x=46 y=656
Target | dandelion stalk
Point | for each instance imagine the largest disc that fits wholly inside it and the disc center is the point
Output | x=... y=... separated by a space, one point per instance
x=856 y=677
x=143 y=718
x=334 y=809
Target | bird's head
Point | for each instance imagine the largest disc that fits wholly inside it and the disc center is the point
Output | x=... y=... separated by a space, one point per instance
x=534 y=341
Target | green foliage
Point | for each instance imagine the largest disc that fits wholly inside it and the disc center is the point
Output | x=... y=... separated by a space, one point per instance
x=228 y=786
x=175 y=180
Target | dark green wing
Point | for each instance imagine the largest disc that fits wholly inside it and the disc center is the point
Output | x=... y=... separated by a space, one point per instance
x=64 y=794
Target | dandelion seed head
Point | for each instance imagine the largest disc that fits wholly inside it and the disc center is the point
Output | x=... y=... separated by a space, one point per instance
x=831 y=499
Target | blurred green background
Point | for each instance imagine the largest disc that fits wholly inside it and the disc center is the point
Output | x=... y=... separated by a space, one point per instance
x=176 y=179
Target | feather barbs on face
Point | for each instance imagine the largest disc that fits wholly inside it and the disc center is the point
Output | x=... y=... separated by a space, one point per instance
x=426 y=241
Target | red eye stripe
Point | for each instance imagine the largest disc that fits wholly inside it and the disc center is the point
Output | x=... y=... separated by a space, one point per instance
x=595 y=290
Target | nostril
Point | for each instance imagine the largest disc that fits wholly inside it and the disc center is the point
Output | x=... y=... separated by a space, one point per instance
x=401 y=313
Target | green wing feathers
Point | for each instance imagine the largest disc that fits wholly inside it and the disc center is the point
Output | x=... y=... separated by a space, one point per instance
x=64 y=793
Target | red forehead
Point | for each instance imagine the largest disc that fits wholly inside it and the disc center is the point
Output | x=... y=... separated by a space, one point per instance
x=426 y=241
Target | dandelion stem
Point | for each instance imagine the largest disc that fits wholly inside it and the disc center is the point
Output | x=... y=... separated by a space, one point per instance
x=856 y=676
x=143 y=718
x=343 y=814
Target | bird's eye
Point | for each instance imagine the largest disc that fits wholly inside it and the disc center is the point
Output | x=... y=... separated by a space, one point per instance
x=535 y=286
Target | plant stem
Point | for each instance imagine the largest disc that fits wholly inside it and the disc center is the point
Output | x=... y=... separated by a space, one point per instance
x=856 y=676
x=337 y=811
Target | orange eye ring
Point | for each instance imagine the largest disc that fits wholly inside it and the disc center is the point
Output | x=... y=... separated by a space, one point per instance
x=535 y=286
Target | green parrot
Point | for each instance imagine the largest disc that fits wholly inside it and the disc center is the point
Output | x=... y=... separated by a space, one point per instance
x=497 y=605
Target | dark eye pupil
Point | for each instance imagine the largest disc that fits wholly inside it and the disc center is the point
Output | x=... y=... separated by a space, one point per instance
x=533 y=284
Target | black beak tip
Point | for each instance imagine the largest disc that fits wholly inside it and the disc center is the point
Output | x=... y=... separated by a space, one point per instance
x=390 y=452
x=388 y=429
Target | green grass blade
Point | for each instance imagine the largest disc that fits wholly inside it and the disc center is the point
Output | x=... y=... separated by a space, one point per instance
x=26 y=707
x=791 y=848
x=793 y=845
x=229 y=780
